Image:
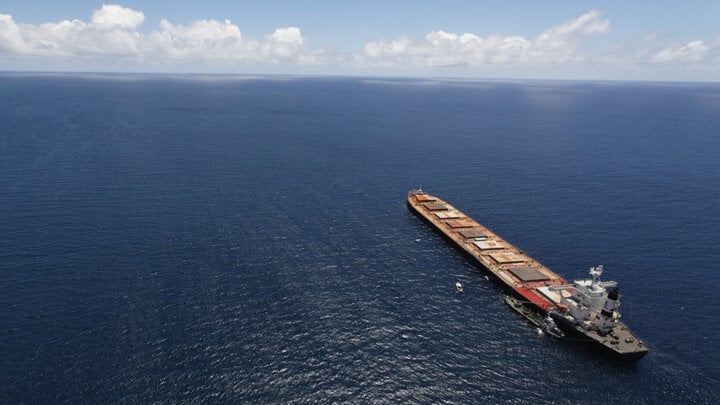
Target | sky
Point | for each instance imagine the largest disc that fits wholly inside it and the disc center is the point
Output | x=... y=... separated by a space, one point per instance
x=553 y=39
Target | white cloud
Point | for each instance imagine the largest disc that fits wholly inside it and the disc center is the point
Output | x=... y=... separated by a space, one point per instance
x=109 y=33
x=10 y=36
x=203 y=39
x=282 y=44
x=439 y=48
x=691 y=52
x=113 y=16
x=112 y=39
x=113 y=30
x=288 y=35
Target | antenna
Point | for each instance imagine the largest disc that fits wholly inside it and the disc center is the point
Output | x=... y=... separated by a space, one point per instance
x=596 y=272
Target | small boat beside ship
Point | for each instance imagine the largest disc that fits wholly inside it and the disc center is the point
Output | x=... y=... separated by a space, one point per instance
x=545 y=324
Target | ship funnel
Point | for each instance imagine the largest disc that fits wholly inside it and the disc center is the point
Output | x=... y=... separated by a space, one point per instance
x=609 y=311
x=613 y=294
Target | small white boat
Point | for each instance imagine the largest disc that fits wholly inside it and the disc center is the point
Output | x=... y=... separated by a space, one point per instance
x=458 y=286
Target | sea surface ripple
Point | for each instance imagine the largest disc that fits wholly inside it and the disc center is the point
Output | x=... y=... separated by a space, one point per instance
x=229 y=239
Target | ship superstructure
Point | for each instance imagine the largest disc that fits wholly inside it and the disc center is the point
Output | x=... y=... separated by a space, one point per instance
x=587 y=309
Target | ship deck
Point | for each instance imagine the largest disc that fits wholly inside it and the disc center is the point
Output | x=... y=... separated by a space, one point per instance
x=507 y=262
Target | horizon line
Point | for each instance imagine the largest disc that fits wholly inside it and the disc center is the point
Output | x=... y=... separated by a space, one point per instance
x=248 y=75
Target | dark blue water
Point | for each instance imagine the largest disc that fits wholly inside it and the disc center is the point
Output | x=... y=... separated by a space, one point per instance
x=193 y=239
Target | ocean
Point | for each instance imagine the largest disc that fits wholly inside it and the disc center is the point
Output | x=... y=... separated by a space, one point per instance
x=245 y=239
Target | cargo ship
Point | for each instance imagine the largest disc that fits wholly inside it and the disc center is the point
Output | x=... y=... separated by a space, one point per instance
x=586 y=310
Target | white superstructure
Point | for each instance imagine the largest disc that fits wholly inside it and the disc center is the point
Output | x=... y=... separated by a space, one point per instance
x=593 y=304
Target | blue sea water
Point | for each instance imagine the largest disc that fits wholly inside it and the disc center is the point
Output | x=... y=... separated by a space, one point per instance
x=246 y=239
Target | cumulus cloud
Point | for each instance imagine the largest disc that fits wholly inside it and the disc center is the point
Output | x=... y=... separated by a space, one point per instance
x=439 y=48
x=113 y=30
x=113 y=16
x=202 y=39
x=283 y=43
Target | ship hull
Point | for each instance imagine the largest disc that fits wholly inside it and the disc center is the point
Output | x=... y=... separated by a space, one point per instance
x=515 y=271
x=607 y=351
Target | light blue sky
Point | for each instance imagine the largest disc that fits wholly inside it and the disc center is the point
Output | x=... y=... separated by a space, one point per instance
x=661 y=40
